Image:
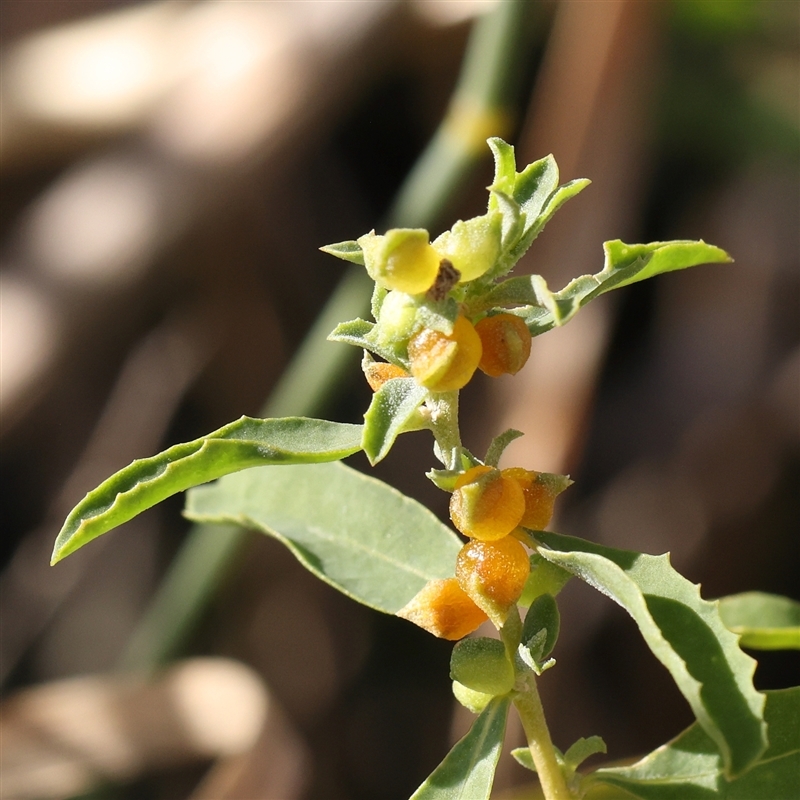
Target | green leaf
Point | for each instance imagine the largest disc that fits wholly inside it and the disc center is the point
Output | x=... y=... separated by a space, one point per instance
x=630 y=263
x=542 y=616
x=348 y=251
x=582 y=749
x=764 y=621
x=505 y=166
x=624 y=264
x=536 y=219
x=361 y=333
x=391 y=412
x=684 y=632
x=511 y=224
x=690 y=767
x=570 y=761
x=534 y=185
x=523 y=757
x=499 y=444
x=241 y=444
x=467 y=772
x=352 y=531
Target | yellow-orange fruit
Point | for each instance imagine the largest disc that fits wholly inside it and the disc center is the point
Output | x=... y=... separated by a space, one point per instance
x=540 y=498
x=445 y=363
x=493 y=574
x=378 y=372
x=486 y=504
x=506 y=343
x=402 y=259
x=442 y=608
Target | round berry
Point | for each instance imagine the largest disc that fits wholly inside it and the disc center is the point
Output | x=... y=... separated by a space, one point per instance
x=378 y=372
x=442 y=608
x=506 y=343
x=482 y=665
x=540 y=491
x=442 y=362
x=402 y=259
x=486 y=504
x=493 y=574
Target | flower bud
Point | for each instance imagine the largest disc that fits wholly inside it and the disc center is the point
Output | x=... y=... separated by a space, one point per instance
x=540 y=490
x=486 y=504
x=442 y=362
x=472 y=246
x=493 y=574
x=506 y=343
x=442 y=608
x=402 y=259
x=482 y=665
x=378 y=372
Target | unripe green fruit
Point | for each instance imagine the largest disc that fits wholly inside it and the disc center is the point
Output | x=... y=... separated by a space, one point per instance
x=397 y=319
x=469 y=698
x=471 y=246
x=481 y=665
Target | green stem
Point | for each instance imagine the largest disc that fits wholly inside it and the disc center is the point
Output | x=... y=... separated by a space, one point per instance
x=444 y=426
x=530 y=710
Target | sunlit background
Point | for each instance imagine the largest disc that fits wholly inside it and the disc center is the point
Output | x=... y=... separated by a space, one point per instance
x=169 y=171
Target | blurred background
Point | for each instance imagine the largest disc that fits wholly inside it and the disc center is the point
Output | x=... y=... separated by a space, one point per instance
x=169 y=170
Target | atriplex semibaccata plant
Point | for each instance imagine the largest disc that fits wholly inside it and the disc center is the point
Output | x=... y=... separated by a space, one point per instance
x=442 y=310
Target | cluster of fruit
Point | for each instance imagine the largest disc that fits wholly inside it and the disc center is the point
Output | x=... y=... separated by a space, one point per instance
x=405 y=264
x=433 y=325
x=489 y=506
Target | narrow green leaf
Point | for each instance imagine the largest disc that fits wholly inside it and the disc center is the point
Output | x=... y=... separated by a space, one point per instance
x=533 y=186
x=764 y=621
x=630 y=263
x=543 y=615
x=505 y=166
x=354 y=532
x=241 y=444
x=523 y=757
x=578 y=752
x=352 y=332
x=347 y=251
x=499 y=444
x=690 y=767
x=467 y=772
x=512 y=221
x=637 y=262
x=624 y=264
x=512 y=291
x=391 y=412
x=360 y=333
x=684 y=632
x=534 y=225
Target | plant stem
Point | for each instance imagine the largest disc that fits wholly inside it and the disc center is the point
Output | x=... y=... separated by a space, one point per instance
x=530 y=710
x=444 y=426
